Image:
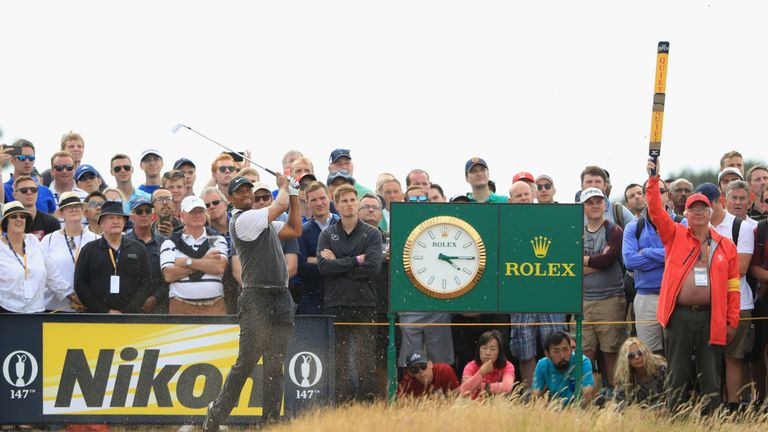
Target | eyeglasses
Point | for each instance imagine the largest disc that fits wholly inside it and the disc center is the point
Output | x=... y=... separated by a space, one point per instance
x=143 y=211
x=61 y=168
x=26 y=190
x=546 y=186
x=420 y=198
x=95 y=204
x=18 y=215
x=264 y=198
x=151 y=158
x=118 y=168
x=87 y=177
x=662 y=190
x=416 y=368
x=227 y=168
x=23 y=158
x=212 y=203
x=163 y=199
x=633 y=354
x=370 y=207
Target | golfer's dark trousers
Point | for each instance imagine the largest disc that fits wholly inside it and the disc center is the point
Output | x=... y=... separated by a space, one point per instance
x=266 y=321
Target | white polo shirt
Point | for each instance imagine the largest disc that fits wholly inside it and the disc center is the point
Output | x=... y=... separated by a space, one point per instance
x=209 y=286
x=746 y=245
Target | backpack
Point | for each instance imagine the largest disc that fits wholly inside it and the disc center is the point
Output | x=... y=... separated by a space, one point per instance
x=641 y=224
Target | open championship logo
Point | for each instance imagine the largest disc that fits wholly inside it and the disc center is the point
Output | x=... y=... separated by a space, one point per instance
x=20 y=368
x=308 y=362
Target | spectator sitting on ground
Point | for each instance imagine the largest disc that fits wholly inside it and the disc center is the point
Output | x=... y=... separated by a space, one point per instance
x=640 y=374
x=424 y=378
x=489 y=373
x=554 y=373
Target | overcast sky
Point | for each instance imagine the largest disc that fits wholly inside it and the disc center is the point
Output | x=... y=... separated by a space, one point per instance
x=547 y=87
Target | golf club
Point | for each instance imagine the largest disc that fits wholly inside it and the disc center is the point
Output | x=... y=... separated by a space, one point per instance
x=183 y=126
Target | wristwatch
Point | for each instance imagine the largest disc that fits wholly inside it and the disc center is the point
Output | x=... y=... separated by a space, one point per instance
x=189 y=262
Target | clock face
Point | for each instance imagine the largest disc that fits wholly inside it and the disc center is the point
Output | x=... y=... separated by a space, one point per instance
x=444 y=257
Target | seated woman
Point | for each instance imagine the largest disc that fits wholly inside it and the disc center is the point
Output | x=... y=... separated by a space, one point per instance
x=640 y=374
x=489 y=373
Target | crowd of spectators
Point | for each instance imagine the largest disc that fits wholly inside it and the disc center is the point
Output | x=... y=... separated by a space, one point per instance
x=687 y=261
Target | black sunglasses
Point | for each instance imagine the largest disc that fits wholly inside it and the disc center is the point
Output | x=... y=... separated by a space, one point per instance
x=227 y=168
x=264 y=198
x=61 y=168
x=633 y=354
x=118 y=168
x=143 y=211
x=87 y=177
x=414 y=369
x=546 y=186
x=26 y=190
x=212 y=203
x=95 y=204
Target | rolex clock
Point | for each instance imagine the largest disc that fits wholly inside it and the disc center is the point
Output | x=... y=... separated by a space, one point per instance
x=444 y=257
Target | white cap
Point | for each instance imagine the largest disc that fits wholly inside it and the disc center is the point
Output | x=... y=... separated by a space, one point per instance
x=192 y=202
x=589 y=193
x=148 y=152
x=261 y=185
x=729 y=170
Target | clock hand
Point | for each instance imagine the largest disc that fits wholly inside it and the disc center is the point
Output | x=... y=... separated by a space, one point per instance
x=447 y=259
x=461 y=257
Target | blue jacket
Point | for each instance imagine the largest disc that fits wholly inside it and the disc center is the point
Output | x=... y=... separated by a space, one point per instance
x=644 y=256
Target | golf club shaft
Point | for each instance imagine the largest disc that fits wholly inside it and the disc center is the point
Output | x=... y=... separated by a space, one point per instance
x=233 y=151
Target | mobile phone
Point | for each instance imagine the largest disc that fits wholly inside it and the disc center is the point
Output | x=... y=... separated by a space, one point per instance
x=165 y=217
x=15 y=150
x=238 y=157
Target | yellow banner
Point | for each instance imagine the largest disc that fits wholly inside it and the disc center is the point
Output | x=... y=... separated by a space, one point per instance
x=140 y=369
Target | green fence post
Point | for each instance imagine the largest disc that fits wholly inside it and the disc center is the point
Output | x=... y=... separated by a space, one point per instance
x=578 y=360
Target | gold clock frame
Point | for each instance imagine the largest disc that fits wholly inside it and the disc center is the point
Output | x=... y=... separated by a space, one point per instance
x=448 y=220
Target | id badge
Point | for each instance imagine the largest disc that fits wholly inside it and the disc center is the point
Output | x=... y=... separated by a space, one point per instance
x=700 y=276
x=28 y=289
x=114 y=284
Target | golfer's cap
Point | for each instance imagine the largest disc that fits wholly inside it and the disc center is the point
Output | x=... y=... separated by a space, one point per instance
x=192 y=202
x=181 y=162
x=339 y=153
x=308 y=177
x=708 y=190
x=524 y=176
x=148 y=152
x=697 y=197
x=590 y=193
x=729 y=170
x=236 y=183
x=472 y=162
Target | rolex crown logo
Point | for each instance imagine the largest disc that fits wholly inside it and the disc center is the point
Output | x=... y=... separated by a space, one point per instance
x=540 y=246
x=444 y=232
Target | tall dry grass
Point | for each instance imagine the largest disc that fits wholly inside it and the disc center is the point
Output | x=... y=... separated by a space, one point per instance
x=501 y=414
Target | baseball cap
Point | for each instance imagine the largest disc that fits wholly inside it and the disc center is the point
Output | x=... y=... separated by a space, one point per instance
x=183 y=161
x=261 y=185
x=83 y=169
x=333 y=175
x=523 y=175
x=339 y=153
x=236 y=183
x=415 y=358
x=192 y=202
x=697 y=197
x=472 y=162
x=729 y=170
x=589 y=193
x=138 y=201
x=708 y=190
x=308 y=177
x=148 y=152
x=545 y=177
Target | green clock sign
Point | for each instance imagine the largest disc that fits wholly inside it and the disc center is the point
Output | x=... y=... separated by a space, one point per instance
x=486 y=257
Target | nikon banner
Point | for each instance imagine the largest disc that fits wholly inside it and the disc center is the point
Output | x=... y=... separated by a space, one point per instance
x=486 y=257
x=145 y=369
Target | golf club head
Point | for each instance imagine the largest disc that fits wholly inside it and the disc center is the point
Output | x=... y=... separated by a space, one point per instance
x=177 y=127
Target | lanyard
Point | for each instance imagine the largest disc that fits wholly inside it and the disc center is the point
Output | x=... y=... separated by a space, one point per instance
x=24 y=252
x=112 y=257
x=71 y=246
